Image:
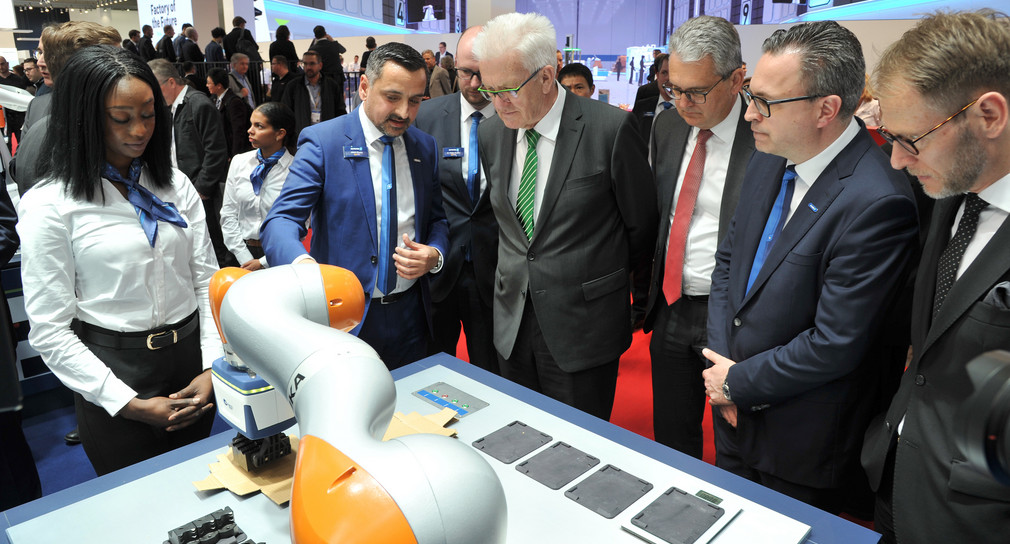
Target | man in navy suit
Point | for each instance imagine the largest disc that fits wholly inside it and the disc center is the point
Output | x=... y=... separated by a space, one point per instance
x=805 y=275
x=945 y=87
x=464 y=292
x=343 y=178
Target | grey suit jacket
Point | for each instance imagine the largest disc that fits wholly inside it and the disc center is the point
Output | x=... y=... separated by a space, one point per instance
x=597 y=223
x=472 y=228
x=25 y=168
x=669 y=142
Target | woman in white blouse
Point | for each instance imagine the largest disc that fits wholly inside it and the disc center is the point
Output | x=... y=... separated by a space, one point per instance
x=116 y=263
x=255 y=179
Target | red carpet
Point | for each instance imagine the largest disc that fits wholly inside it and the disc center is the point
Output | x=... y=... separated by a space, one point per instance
x=633 y=399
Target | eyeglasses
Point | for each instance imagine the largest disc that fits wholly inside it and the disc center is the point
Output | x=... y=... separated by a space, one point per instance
x=909 y=145
x=467 y=74
x=764 y=106
x=697 y=97
x=506 y=94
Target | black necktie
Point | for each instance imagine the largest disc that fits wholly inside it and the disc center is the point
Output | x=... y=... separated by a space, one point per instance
x=950 y=261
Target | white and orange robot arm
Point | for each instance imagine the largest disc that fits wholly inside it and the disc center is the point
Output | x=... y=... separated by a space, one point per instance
x=350 y=487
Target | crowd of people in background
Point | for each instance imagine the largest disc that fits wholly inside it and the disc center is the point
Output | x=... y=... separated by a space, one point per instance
x=772 y=257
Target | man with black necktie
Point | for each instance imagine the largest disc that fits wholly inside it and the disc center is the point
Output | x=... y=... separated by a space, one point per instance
x=701 y=150
x=805 y=275
x=943 y=89
x=464 y=291
x=398 y=238
x=575 y=201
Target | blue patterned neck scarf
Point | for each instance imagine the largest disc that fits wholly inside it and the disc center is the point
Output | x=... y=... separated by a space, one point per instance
x=150 y=209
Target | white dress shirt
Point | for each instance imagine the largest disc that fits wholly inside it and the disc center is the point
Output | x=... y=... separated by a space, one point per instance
x=404 y=190
x=242 y=210
x=989 y=220
x=548 y=128
x=703 y=233
x=175 y=105
x=812 y=168
x=92 y=261
x=466 y=110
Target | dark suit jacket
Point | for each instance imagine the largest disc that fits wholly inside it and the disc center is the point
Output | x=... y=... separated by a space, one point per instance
x=937 y=497
x=287 y=49
x=296 y=96
x=25 y=168
x=190 y=51
x=132 y=47
x=235 y=114
x=165 y=49
x=336 y=190
x=200 y=145
x=801 y=335
x=644 y=112
x=147 y=51
x=278 y=85
x=197 y=83
x=668 y=148
x=646 y=91
x=231 y=40
x=472 y=228
x=214 y=52
x=597 y=224
x=329 y=54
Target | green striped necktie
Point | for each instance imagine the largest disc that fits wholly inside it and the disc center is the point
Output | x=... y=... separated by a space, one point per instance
x=528 y=184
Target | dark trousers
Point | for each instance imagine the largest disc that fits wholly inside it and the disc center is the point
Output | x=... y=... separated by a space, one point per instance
x=532 y=366
x=678 y=390
x=398 y=331
x=465 y=305
x=19 y=479
x=728 y=458
x=114 y=442
x=883 y=511
x=212 y=206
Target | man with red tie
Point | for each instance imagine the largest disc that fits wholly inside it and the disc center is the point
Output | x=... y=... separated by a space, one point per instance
x=700 y=151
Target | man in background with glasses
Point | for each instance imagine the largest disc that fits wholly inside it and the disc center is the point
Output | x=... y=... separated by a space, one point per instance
x=463 y=293
x=576 y=206
x=700 y=152
x=944 y=88
x=814 y=258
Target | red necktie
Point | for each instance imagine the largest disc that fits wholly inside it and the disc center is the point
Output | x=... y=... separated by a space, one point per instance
x=673 y=277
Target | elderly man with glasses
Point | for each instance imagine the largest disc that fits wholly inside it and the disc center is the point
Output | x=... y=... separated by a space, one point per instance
x=576 y=206
x=805 y=277
x=944 y=91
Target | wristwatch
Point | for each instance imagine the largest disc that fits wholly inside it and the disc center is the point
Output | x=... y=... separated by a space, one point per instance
x=438 y=267
x=725 y=390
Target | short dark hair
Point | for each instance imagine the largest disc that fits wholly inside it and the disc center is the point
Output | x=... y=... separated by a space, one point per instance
x=370 y=42
x=218 y=32
x=219 y=76
x=133 y=33
x=399 y=53
x=166 y=28
x=187 y=66
x=577 y=69
x=283 y=33
x=31 y=60
x=237 y=21
x=442 y=44
x=145 y=28
x=280 y=59
x=186 y=25
x=77 y=120
x=313 y=53
x=319 y=31
x=280 y=116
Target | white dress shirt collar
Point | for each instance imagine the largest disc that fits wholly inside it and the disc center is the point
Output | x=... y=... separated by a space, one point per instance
x=549 y=125
x=466 y=109
x=178 y=99
x=812 y=168
x=998 y=194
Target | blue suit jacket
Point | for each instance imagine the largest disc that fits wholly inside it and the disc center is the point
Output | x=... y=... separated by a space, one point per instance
x=803 y=385
x=337 y=192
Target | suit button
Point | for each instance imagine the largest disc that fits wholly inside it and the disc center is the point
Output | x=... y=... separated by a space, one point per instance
x=375 y=259
x=523 y=292
x=737 y=322
x=530 y=256
x=887 y=425
x=920 y=379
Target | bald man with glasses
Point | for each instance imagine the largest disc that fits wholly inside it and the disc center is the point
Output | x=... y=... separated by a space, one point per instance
x=571 y=189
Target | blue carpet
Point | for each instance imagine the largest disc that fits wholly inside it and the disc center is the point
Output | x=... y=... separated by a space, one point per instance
x=61 y=466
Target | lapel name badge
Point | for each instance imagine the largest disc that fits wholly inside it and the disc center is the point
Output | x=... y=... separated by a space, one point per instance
x=452 y=152
x=812 y=207
x=355 y=152
x=649 y=114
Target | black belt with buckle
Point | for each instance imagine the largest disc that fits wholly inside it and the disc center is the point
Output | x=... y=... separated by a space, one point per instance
x=155 y=339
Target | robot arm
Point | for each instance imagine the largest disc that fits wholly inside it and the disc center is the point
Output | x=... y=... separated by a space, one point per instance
x=350 y=486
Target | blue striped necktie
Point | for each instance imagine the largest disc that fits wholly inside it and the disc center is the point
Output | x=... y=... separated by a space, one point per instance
x=387 y=236
x=776 y=220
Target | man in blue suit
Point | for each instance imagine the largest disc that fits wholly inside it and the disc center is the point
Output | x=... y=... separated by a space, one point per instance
x=369 y=181
x=805 y=275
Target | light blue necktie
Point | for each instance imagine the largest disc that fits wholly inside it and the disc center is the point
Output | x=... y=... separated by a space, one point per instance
x=473 y=174
x=150 y=208
x=667 y=105
x=773 y=227
x=387 y=236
